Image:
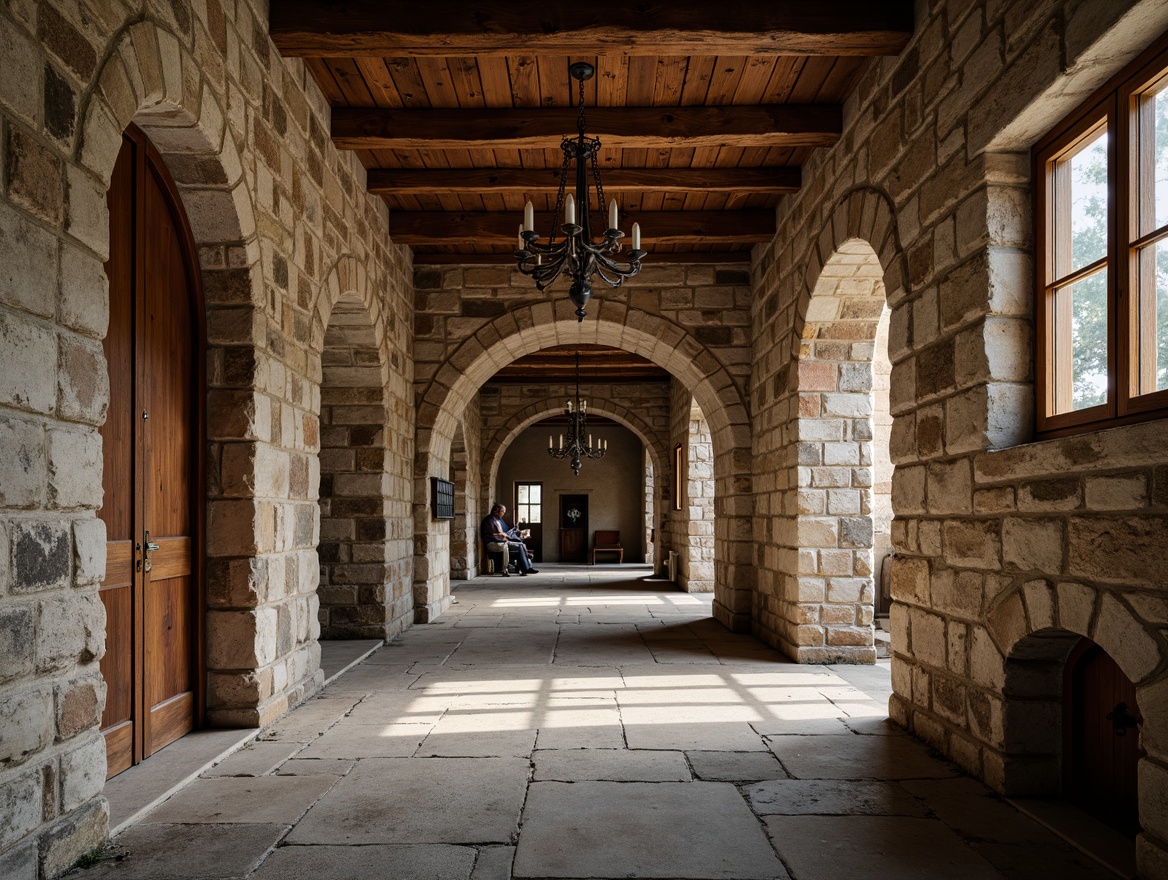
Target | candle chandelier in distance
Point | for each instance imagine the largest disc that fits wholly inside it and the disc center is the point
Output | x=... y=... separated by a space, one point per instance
x=577 y=412
x=577 y=253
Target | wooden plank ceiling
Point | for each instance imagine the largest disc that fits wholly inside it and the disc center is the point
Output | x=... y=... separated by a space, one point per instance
x=705 y=111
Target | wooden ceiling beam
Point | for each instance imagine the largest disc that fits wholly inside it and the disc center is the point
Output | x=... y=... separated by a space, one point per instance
x=774 y=125
x=520 y=181
x=661 y=227
x=352 y=28
x=729 y=258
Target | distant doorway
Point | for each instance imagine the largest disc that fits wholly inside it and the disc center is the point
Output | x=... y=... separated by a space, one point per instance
x=573 y=528
x=1102 y=730
x=529 y=515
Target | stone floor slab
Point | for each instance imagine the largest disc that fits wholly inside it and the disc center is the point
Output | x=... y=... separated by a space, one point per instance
x=660 y=830
x=350 y=740
x=420 y=800
x=973 y=810
x=875 y=848
x=832 y=797
x=255 y=759
x=735 y=766
x=615 y=765
x=494 y=863
x=435 y=862
x=264 y=799
x=857 y=757
x=186 y=852
x=707 y=737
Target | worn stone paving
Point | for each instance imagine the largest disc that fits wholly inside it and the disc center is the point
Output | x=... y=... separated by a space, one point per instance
x=586 y=723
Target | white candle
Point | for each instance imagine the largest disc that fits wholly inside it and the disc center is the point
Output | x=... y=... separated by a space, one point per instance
x=636 y=236
x=550 y=446
x=570 y=209
x=561 y=441
x=613 y=216
x=528 y=217
x=589 y=441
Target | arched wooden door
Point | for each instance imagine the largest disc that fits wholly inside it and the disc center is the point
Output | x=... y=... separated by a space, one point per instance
x=1102 y=730
x=151 y=478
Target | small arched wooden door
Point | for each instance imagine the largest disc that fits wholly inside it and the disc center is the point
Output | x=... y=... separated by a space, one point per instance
x=1102 y=737
x=151 y=472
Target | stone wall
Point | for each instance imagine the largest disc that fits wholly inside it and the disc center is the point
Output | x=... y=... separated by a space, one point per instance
x=469 y=506
x=283 y=229
x=691 y=529
x=470 y=321
x=998 y=538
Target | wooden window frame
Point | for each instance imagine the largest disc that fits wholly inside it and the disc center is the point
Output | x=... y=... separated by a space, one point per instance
x=1116 y=106
x=528 y=504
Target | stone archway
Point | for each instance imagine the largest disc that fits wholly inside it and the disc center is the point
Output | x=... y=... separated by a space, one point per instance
x=843 y=517
x=1018 y=660
x=362 y=551
x=524 y=419
x=533 y=327
x=653 y=444
x=141 y=81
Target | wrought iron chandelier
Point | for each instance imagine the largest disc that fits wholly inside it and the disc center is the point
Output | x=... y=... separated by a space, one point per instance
x=577 y=412
x=577 y=252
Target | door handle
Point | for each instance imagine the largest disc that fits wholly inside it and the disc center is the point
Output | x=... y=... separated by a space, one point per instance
x=148 y=546
x=1121 y=719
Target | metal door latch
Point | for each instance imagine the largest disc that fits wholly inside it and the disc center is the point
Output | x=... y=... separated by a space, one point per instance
x=1121 y=719
x=146 y=563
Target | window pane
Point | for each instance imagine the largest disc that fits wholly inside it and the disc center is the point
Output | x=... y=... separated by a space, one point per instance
x=1151 y=349
x=1081 y=210
x=534 y=515
x=535 y=493
x=1159 y=155
x=522 y=493
x=1080 y=342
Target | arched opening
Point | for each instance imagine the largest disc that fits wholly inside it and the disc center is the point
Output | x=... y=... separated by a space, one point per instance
x=1072 y=727
x=606 y=495
x=456 y=382
x=844 y=471
x=353 y=479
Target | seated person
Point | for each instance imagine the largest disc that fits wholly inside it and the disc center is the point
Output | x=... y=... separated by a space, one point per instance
x=498 y=537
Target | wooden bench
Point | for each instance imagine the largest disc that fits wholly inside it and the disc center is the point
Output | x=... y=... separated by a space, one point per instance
x=607 y=542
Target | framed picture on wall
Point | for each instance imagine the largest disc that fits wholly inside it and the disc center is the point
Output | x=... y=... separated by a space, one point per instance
x=677 y=478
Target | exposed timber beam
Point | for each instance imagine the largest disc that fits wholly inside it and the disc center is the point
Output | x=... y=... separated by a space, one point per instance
x=351 y=28
x=520 y=181
x=775 y=125
x=734 y=258
x=664 y=227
